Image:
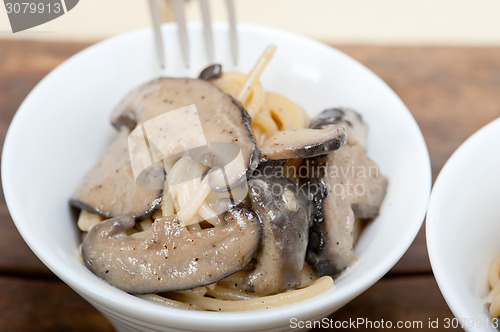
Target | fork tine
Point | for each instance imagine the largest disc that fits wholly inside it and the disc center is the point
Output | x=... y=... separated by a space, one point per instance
x=181 y=24
x=156 y=17
x=207 y=29
x=232 y=27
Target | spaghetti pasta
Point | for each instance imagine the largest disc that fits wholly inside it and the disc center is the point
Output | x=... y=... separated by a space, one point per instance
x=269 y=111
x=493 y=298
x=321 y=285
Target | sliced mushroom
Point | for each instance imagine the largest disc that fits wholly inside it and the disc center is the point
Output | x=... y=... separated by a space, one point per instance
x=168 y=257
x=348 y=186
x=109 y=188
x=349 y=119
x=223 y=119
x=284 y=213
x=303 y=143
x=211 y=72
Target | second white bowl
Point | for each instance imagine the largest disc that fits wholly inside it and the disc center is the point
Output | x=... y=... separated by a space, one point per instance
x=463 y=226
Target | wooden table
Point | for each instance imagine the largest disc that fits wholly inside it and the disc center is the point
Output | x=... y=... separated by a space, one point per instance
x=452 y=92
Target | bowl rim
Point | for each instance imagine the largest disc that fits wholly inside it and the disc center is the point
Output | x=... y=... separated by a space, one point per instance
x=451 y=297
x=158 y=314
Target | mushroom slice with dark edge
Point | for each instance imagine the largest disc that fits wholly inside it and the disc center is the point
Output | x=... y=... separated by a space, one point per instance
x=110 y=189
x=284 y=212
x=223 y=119
x=349 y=119
x=168 y=257
x=349 y=186
x=303 y=143
x=211 y=72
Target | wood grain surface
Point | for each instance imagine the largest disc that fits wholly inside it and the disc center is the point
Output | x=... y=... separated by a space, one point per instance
x=452 y=92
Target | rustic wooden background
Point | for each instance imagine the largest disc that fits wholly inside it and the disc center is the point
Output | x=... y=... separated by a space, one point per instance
x=451 y=91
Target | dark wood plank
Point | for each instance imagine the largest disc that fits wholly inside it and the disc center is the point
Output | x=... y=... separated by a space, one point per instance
x=415 y=300
x=22 y=65
x=41 y=305
x=55 y=307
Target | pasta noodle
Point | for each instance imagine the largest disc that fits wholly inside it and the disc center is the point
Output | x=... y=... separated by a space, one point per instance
x=493 y=298
x=86 y=220
x=169 y=302
x=269 y=111
x=189 y=194
x=265 y=302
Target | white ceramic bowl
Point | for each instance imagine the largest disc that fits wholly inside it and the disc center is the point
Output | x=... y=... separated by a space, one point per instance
x=463 y=226
x=63 y=125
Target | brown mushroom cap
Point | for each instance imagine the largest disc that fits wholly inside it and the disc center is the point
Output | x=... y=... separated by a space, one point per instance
x=350 y=186
x=356 y=192
x=284 y=211
x=110 y=189
x=168 y=257
x=222 y=118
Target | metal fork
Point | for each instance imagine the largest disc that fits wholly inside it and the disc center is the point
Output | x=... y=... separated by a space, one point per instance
x=180 y=17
